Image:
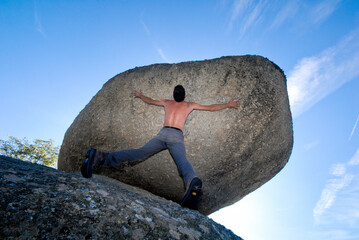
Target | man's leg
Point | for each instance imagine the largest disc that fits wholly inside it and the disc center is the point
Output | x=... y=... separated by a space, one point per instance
x=192 y=182
x=178 y=153
x=95 y=158
x=153 y=146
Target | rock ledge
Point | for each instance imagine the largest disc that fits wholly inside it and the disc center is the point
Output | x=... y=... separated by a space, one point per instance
x=38 y=202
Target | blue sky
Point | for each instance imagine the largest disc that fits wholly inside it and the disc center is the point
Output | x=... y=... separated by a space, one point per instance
x=56 y=55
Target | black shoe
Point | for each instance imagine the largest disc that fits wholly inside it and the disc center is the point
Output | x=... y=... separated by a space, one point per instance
x=92 y=162
x=192 y=194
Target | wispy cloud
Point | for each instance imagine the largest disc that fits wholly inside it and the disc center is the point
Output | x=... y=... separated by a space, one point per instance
x=334 y=234
x=355 y=126
x=239 y=6
x=38 y=24
x=341 y=221
x=254 y=17
x=329 y=194
x=311 y=145
x=147 y=30
x=323 y=10
x=338 y=169
x=355 y=159
x=313 y=78
x=344 y=185
x=158 y=49
x=288 y=11
x=163 y=56
x=247 y=13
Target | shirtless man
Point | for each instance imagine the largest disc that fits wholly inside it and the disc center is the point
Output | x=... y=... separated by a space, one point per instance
x=170 y=137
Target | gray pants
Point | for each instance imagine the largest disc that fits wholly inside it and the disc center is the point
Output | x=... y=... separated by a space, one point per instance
x=168 y=138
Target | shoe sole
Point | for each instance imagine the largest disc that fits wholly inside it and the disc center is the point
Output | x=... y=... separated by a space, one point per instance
x=193 y=193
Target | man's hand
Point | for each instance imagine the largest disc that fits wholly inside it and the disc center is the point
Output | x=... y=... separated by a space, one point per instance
x=137 y=94
x=233 y=103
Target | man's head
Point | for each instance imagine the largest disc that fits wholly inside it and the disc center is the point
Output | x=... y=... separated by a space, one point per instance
x=179 y=93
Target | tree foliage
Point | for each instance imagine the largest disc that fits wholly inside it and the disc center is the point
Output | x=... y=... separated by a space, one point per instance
x=40 y=151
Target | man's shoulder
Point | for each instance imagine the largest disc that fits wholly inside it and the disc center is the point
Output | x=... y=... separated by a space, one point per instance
x=191 y=103
x=167 y=100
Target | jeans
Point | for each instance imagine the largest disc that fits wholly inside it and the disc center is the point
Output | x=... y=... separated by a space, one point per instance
x=168 y=138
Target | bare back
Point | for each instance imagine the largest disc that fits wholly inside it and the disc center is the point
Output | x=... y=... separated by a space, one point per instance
x=176 y=113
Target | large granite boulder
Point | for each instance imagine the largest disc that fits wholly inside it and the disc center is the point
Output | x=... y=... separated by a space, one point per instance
x=233 y=151
x=38 y=202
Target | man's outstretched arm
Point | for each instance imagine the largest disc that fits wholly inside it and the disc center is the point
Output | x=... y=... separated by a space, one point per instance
x=148 y=100
x=215 y=107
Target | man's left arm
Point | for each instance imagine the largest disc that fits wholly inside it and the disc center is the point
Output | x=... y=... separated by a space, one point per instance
x=148 y=100
x=216 y=107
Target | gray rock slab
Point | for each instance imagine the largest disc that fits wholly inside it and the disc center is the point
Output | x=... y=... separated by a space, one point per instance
x=38 y=202
x=233 y=151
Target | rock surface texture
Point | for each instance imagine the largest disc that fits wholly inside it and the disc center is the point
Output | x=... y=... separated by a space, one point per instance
x=233 y=151
x=38 y=202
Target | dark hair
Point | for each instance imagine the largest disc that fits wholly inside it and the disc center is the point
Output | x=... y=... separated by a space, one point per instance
x=179 y=93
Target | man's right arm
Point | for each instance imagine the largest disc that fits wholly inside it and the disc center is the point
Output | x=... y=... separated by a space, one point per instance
x=148 y=100
x=215 y=107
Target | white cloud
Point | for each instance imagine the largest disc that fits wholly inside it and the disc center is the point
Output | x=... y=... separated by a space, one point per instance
x=355 y=126
x=38 y=24
x=304 y=80
x=311 y=145
x=147 y=30
x=348 y=185
x=246 y=14
x=163 y=56
x=329 y=194
x=341 y=221
x=239 y=6
x=313 y=78
x=334 y=234
x=253 y=18
x=288 y=11
x=355 y=159
x=338 y=169
x=323 y=10
x=158 y=49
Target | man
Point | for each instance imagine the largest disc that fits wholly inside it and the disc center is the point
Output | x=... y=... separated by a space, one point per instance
x=170 y=137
